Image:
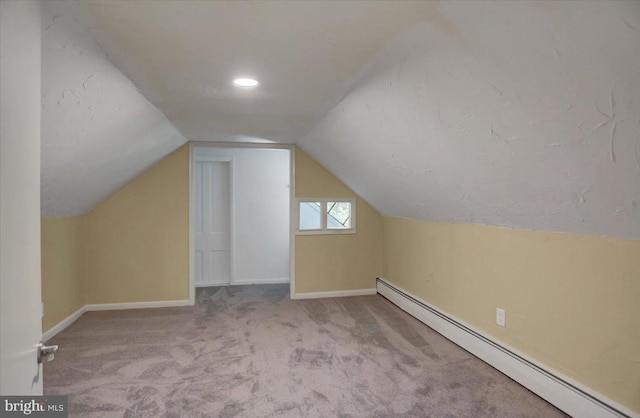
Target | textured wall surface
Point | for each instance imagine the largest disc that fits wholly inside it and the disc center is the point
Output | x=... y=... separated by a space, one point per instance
x=515 y=114
x=137 y=242
x=63 y=268
x=98 y=131
x=335 y=262
x=571 y=301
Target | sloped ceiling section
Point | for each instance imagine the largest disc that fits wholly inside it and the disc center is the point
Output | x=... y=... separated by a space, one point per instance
x=183 y=55
x=98 y=131
x=522 y=115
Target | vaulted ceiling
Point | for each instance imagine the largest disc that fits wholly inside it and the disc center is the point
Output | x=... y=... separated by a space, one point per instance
x=98 y=131
x=516 y=114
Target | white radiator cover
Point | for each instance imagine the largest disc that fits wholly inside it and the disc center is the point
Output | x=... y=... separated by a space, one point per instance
x=566 y=394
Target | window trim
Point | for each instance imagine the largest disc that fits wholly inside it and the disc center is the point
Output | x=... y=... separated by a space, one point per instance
x=323 y=230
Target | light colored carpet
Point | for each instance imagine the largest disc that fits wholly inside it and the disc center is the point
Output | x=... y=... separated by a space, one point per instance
x=250 y=351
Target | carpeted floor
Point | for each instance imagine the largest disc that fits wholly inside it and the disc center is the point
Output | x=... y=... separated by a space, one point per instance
x=250 y=351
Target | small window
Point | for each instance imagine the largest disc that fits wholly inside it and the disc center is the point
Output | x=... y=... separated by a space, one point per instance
x=310 y=216
x=338 y=215
x=326 y=216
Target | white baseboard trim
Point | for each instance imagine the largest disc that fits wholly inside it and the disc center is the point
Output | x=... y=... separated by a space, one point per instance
x=246 y=282
x=53 y=331
x=334 y=294
x=212 y=284
x=110 y=307
x=561 y=391
x=138 y=305
x=282 y=280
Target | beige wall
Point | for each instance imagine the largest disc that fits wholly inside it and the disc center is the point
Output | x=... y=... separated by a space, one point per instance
x=62 y=268
x=572 y=302
x=335 y=262
x=134 y=247
x=138 y=240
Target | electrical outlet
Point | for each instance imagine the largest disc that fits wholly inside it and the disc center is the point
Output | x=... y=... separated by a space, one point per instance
x=501 y=317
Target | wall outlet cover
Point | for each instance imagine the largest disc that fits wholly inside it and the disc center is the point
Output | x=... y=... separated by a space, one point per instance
x=501 y=317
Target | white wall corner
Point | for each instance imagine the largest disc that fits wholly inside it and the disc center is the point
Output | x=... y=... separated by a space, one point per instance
x=56 y=329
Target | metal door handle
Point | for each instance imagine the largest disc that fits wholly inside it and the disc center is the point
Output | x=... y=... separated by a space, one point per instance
x=48 y=351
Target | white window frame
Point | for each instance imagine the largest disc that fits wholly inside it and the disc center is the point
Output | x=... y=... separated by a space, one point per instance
x=323 y=230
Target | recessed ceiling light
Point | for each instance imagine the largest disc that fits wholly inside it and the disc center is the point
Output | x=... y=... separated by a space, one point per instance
x=245 y=82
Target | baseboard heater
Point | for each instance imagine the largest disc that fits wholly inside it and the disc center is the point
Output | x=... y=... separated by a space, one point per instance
x=569 y=396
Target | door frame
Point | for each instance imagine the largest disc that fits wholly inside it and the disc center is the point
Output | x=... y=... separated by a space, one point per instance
x=232 y=208
x=292 y=194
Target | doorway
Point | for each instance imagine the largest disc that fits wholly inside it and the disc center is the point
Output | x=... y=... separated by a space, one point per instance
x=241 y=206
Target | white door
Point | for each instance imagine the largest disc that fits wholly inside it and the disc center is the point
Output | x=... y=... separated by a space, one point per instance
x=212 y=223
x=20 y=312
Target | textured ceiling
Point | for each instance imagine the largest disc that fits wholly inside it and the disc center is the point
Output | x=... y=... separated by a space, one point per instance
x=516 y=114
x=522 y=115
x=102 y=60
x=184 y=55
x=98 y=131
